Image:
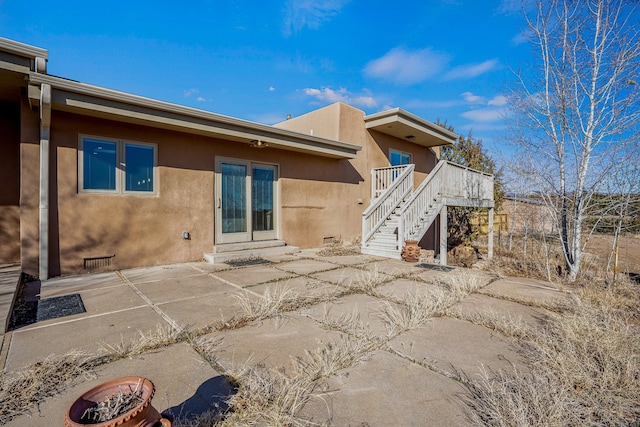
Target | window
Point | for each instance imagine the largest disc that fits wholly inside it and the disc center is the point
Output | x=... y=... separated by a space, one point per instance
x=398 y=158
x=116 y=166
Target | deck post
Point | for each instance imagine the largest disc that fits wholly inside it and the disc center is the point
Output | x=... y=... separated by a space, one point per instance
x=443 y=235
x=490 y=234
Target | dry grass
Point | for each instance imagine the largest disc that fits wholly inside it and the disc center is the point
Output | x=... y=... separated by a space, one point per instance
x=462 y=282
x=342 y=248
x=505 y=324
x=348 y=322
x=584 y=371
x=145 y=341
x=268 y=396
x=22 y=391
x=415 y=309
x=366 y=282
x=276 y=299
x=334 y=356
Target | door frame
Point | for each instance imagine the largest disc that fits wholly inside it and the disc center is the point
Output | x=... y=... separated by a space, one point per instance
x=249 y=235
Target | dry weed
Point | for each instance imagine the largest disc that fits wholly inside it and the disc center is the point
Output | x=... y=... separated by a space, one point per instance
x=366 y=282
x=24 y=390
x=414 y=310
x=514 y=399
x=276 y=299
x=160 y=337
x=342 y=248
x=584 y=371
x=349 y=323
x=462 y=282
x=268 y=397
x=334 y=356
x=507 y=325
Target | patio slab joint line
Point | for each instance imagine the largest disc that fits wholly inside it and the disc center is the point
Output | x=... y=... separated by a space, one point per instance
x=150 y=303
x=225 y=281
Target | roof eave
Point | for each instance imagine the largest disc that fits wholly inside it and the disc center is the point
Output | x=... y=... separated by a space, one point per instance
x=81 y=98
x=404 y=125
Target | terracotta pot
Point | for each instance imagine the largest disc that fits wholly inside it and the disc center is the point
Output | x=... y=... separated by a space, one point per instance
x=411 y=251
x=143 y=415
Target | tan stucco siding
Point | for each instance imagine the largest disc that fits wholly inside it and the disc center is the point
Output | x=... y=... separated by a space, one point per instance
x=29 y=187
x=323 y=122
x=138 y=229
x=314 y=210
x=10 y=182
x=318 y=198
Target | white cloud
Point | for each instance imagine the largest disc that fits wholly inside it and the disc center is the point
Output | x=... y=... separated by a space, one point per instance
x=519 y=39
x=341 y=95
x=300 y=14
x=407 y=67
x=498 y=101
x=485 y=115
x=470 y=98
x=472 y=70
x=272 y=89
x=189 y=92
x=200 y=99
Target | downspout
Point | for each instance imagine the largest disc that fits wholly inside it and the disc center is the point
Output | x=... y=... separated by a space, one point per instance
x=45 y=125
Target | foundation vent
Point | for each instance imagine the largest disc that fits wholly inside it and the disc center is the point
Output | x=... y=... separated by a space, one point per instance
x=95 y=262
x=329 y=240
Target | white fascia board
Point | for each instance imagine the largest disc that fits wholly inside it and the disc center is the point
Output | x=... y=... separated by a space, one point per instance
x=97 y=101
x=22 y=49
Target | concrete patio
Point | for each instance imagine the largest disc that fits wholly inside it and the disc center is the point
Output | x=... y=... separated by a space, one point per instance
x=410 y=380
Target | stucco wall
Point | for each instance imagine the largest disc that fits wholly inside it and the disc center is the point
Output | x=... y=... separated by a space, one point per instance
x=346 y=123
x=10 y=182
x=319 y=197
x=29 y=187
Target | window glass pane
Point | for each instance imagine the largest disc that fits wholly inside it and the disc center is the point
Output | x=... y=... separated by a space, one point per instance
x=99 y=164
x=395 y=158
x=262 y=198
x=139 y=163
x=398 y=158
x=234 y=198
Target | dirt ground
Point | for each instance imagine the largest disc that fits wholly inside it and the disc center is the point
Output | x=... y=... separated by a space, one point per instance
x=628 y=251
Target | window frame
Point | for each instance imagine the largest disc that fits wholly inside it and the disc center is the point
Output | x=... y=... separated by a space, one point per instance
x=120 y=175
x=401 y=153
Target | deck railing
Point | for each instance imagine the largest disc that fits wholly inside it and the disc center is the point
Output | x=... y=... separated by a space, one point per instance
x=448 y=183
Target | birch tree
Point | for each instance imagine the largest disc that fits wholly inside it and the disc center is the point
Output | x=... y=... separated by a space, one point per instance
x=575 y=109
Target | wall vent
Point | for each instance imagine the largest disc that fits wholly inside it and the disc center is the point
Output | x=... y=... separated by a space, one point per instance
x=329 y=240
x=92 y=263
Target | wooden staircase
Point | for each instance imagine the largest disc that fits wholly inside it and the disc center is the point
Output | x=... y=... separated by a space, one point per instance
x=398 y=213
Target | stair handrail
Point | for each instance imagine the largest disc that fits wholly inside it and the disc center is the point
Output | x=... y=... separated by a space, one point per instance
x=418 y=202
x=377 y=213
x=383 y=178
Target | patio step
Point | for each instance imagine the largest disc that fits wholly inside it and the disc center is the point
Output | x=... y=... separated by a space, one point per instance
x=245 y=251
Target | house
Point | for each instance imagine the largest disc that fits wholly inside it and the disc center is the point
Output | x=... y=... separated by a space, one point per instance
x=95 y=178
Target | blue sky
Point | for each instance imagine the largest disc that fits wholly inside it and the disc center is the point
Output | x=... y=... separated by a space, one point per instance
x=439 y=59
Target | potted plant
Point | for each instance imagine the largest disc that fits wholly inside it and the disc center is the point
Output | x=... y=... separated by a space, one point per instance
x=122 y=402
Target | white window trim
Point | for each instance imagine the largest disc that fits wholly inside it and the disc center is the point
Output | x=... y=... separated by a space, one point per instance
x=120 y=166
x=393 y=150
